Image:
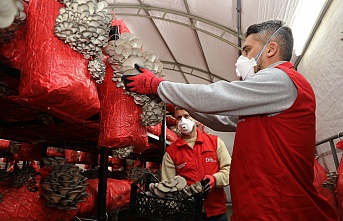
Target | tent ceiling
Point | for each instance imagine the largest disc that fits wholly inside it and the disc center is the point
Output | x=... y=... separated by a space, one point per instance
x=199 y=41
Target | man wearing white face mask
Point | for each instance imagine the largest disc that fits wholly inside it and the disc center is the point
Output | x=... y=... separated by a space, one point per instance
x=199 y=156
x=273 y=113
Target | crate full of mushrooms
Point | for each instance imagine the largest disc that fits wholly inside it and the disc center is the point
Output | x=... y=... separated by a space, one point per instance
x=166 y=200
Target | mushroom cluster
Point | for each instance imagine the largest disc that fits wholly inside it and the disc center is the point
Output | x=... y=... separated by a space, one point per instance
x=6 y=34
x=135 y=173
x=123 y=152
x=15 y=146
x=6 y=90
x=97 y=69
x=175 y=188
x=152 y=112
x=84 y=25
x=25 y=176
x=123 y=54
x=331 y=181
x=64 y=187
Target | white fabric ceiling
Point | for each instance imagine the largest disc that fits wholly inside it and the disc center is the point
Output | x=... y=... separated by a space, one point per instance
x=197 y=42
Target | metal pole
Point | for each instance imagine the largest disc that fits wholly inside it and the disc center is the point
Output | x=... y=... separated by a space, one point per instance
x=332 y=146
x=334 y=153
x=163 y=132
x=239 y=24
x=340 y=134
x=102 y=185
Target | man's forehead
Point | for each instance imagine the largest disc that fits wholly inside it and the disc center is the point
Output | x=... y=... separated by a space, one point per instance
x=249 y=41
x=181 y=112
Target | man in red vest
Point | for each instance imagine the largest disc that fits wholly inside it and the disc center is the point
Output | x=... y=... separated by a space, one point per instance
x=272 y=109
x=198 y=156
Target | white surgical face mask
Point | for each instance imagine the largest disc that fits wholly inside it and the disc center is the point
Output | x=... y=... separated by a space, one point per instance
x=245 y=66
x=185 y=126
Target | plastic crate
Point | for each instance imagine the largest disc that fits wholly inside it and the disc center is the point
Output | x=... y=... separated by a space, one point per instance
x=157 y=208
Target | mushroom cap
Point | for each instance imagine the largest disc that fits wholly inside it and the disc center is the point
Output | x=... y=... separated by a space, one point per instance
x=186 y=191
x=152 y=187
x=182 y=183
x=198 y=186
x=159 y=193
x=193 y=189
x=163 y=188
x=173 y=189
x=171 y=183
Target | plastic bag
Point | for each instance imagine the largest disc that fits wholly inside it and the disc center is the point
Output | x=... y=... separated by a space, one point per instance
x=87 y=158
x=155 y=130
x=171 y=135
x=117 y=196
x=71 y=156
x=119 y=117
x=319 y=178
x=21 y=205
x=339 y=190
x=12 y=53
x=4 y=144
x=29 y=152
x=54 y=152
x=55 y=78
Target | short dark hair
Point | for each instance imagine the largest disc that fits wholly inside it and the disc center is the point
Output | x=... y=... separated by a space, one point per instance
x=284 y=37
x=176 y=108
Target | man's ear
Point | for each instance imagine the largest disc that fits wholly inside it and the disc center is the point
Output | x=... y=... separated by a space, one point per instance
x=273 y=48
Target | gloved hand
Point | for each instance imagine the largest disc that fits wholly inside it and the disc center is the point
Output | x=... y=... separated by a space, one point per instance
x=208 y=182
x=144 y=83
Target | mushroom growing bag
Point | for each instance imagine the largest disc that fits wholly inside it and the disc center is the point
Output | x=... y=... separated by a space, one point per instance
x=12 y=53
x=19 y=204
x=339 y=189
x=119 y=117
x=319 y=178
x=54 y=77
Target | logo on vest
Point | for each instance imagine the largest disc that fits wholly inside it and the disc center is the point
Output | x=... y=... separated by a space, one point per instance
x=181 y=165
x=210 y=159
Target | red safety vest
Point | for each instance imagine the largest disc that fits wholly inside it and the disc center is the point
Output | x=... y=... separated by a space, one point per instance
x=194 y=163
x=271 y=176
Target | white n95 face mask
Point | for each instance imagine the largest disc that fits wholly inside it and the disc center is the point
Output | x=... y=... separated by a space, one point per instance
x=245 y=67
x=185 y=126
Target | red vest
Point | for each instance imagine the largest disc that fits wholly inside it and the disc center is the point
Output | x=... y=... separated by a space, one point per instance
x=194 y=163
x=271 y=176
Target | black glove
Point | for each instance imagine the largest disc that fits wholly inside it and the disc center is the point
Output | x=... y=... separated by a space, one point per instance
x=208 y=183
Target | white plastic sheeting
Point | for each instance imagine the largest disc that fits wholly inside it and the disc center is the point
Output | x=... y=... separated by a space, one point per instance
x=197 y=41
x=322 y=65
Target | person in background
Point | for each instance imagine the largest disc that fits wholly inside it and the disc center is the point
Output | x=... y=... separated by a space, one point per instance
x=272 y=109
x=198 y=156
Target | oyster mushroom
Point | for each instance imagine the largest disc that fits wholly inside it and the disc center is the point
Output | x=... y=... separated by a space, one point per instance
x=163 y=188
x=182 y=183
x=159 y=193
x=64 y=187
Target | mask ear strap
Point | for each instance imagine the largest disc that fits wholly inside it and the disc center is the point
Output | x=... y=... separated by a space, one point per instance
x=257 y=57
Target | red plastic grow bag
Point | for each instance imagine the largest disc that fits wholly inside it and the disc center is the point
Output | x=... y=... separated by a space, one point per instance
x=117 y=196
x=119 y=117
x=319 y=178
x=21 y=205
x=55 y=78
x=12 y=53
